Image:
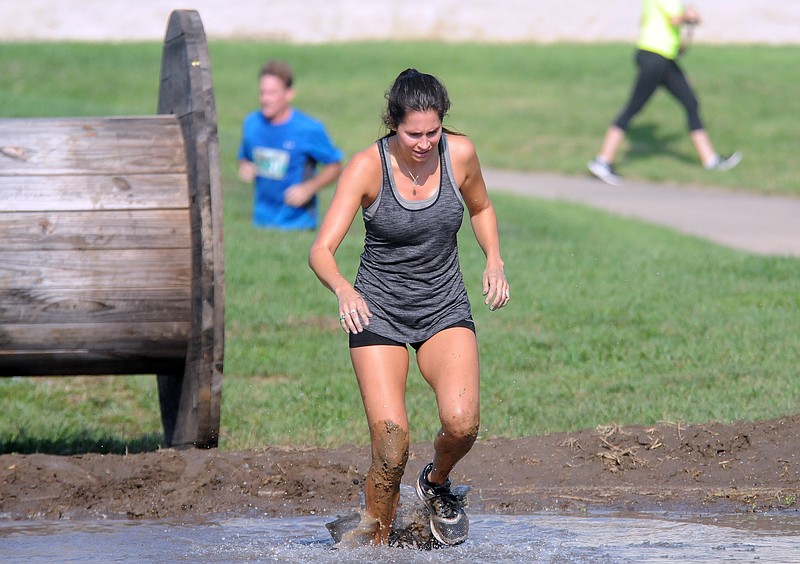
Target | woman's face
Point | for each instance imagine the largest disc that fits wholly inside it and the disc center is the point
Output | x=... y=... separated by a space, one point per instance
x=419 y=134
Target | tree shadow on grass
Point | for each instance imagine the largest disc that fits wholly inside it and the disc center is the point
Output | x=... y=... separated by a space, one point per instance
x=82 y=443
x=646 y=141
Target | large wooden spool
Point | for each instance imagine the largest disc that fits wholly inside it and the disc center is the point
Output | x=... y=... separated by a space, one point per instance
x=111 y=257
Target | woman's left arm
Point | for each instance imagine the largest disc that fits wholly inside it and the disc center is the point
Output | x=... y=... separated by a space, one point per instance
x=483 y=219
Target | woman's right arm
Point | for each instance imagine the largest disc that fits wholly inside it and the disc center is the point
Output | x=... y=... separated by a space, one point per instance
x=357 y=186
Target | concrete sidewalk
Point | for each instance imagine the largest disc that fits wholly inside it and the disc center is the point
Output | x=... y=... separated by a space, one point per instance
x=767 y=225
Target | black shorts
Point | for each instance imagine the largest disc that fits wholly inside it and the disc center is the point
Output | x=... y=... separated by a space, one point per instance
x=367 y=338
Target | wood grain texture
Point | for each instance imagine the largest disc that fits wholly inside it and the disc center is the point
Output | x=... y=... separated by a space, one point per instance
x=95 y=245
x=191 y=402
x=111 y=253
x=91 y=145
x=95 y=230
x=96 y=192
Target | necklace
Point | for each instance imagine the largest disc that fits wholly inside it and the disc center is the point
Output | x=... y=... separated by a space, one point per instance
x=414 y=180
x=414 y=177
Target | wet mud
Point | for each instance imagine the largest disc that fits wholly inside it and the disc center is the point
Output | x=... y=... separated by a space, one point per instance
x=741 y=467
x=382 y=484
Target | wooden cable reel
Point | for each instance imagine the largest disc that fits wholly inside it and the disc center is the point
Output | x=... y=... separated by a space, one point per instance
x=111 y=253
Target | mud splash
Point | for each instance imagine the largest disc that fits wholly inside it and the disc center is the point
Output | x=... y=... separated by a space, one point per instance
x=411 y=527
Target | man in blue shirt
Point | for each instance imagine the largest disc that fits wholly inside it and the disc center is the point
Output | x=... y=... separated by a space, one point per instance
x=286 y=154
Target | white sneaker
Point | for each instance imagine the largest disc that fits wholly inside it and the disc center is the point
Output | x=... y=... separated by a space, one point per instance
x=604 y=172
x=725 y=163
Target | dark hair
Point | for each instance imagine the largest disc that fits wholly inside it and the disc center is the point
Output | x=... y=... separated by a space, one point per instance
x=414 y=91
x=278 y=69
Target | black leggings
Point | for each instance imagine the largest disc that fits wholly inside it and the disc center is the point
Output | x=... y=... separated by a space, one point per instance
x=655 y=71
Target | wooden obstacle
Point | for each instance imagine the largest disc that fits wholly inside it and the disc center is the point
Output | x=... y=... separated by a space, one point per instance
x=111 y=256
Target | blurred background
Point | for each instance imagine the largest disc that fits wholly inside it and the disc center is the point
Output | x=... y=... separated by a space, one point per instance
x=325 y=21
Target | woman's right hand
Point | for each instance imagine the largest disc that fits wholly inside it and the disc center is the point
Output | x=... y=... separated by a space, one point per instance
x=354 y=313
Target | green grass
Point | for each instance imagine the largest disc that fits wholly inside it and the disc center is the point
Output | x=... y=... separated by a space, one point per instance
x=612 y=320
x=528 y=107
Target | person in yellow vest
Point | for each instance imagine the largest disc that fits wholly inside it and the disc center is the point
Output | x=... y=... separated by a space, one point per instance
x=658 y=49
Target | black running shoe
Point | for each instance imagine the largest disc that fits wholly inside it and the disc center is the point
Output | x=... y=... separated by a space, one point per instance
x=449 y=523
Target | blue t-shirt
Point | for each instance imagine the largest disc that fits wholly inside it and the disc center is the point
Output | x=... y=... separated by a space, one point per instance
x=285 y=155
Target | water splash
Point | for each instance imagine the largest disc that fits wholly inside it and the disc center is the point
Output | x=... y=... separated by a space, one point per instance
x=411 y=527
x=617 y=538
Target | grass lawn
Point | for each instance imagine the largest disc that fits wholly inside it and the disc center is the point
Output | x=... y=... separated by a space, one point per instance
x=612 y=320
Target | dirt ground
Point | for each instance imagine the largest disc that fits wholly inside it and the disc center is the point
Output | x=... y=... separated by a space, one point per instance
x=699 y=468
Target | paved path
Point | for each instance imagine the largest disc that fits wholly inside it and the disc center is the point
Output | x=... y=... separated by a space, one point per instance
x=767 y=225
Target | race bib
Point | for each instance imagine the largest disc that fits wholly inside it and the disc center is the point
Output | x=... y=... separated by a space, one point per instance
x=271 y=163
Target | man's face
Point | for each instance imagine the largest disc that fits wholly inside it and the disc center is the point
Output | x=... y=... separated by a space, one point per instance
x=275 y=98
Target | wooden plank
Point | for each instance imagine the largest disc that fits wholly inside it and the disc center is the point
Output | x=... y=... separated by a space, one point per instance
x=92 y=305
x=92 y=348
x=158 y=338
x=91 y=145
x=121 y=269
x=109 y=230
x=72 y=192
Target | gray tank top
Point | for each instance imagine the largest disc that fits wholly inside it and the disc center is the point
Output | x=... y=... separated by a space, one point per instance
x=409 y=274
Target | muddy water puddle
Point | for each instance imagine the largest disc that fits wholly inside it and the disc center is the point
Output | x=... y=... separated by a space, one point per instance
x=773 y=538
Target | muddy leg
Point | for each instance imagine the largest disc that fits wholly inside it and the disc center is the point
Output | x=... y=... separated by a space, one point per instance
x=382 y=372
x=382 y=487
x=450 y=446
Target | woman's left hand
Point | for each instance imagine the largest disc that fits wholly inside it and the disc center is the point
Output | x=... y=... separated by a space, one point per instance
x=495 y=288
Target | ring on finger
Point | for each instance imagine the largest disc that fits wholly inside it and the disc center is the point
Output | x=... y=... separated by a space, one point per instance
x=341 y=317
x=352 y=311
